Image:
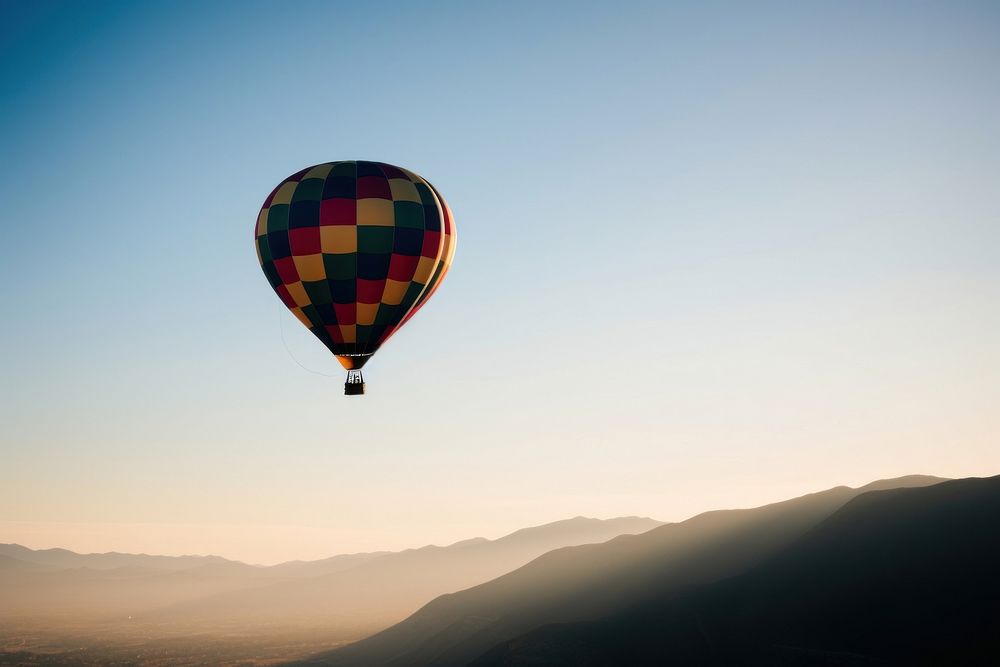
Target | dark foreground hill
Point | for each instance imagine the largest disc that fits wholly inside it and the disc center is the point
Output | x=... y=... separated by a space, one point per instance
x=592 y=581
x=897 y=577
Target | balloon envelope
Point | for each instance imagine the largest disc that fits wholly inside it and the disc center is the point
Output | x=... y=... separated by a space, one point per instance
x=354 y=249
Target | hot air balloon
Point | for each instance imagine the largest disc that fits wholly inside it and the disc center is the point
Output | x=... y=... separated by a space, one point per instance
x=354 y=249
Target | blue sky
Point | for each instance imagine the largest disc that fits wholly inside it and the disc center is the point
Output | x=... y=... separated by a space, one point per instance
x=710 y=254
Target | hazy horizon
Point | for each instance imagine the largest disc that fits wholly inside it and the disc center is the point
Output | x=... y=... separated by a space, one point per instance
x=98 y=609
x=709 y=255
x=187 y=530
x=114 y=531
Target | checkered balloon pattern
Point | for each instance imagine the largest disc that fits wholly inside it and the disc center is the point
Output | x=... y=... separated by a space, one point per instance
x=354 y=249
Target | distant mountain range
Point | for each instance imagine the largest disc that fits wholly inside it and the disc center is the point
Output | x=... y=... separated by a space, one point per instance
x=594 y=584
x=64 y=559
x=897 y=572
x=344 y=596
x=380 y=591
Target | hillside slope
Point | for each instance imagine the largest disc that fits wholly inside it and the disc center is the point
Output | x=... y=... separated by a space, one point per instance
x=902 y=576
x=386 y=589
x=588 y=582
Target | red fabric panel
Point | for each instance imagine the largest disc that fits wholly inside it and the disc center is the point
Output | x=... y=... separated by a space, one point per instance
x=392 y=172
x=286 y=270
x=286 y=297
x=338 y=212
x=347 y=313
x=402 y=267
x=335 y=333
x=370 y=291
x=432 y=242
x=304 y=241
x=373 y=187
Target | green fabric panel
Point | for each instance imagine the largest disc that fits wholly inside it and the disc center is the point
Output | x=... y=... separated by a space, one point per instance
x=374 y=337
x=313 y=316
x=412 y=293
x=277 y=218
x=435 y=277
x=387 y=315
x=320 y=332
x=265 y=249
x=272 y=274
x=310 y=189
x=340 y=266
x=426 y=196
x=409 y=214
x=375 y=239
x=364 y=333
x=319 y=292
x=344 y=169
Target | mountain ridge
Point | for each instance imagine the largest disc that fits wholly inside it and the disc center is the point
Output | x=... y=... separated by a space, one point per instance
x=59 y=555
x=453 y=629
x=346 y=596
x=396 y=584
x=895 y=576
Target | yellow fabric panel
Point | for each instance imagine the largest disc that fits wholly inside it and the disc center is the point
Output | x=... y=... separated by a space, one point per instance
x=284 y=193
x=298 y=293
x=338 y=239
x=319 y=171
x=297 y=312
x=394 y=291
x=403 y=190
x=451 y=216
x=424 y=270
x=310 y=267
x=262 y=222
x=376 y=212
x=366 y=313
x=449 y=249
x=449 y=241
x=349 y=332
